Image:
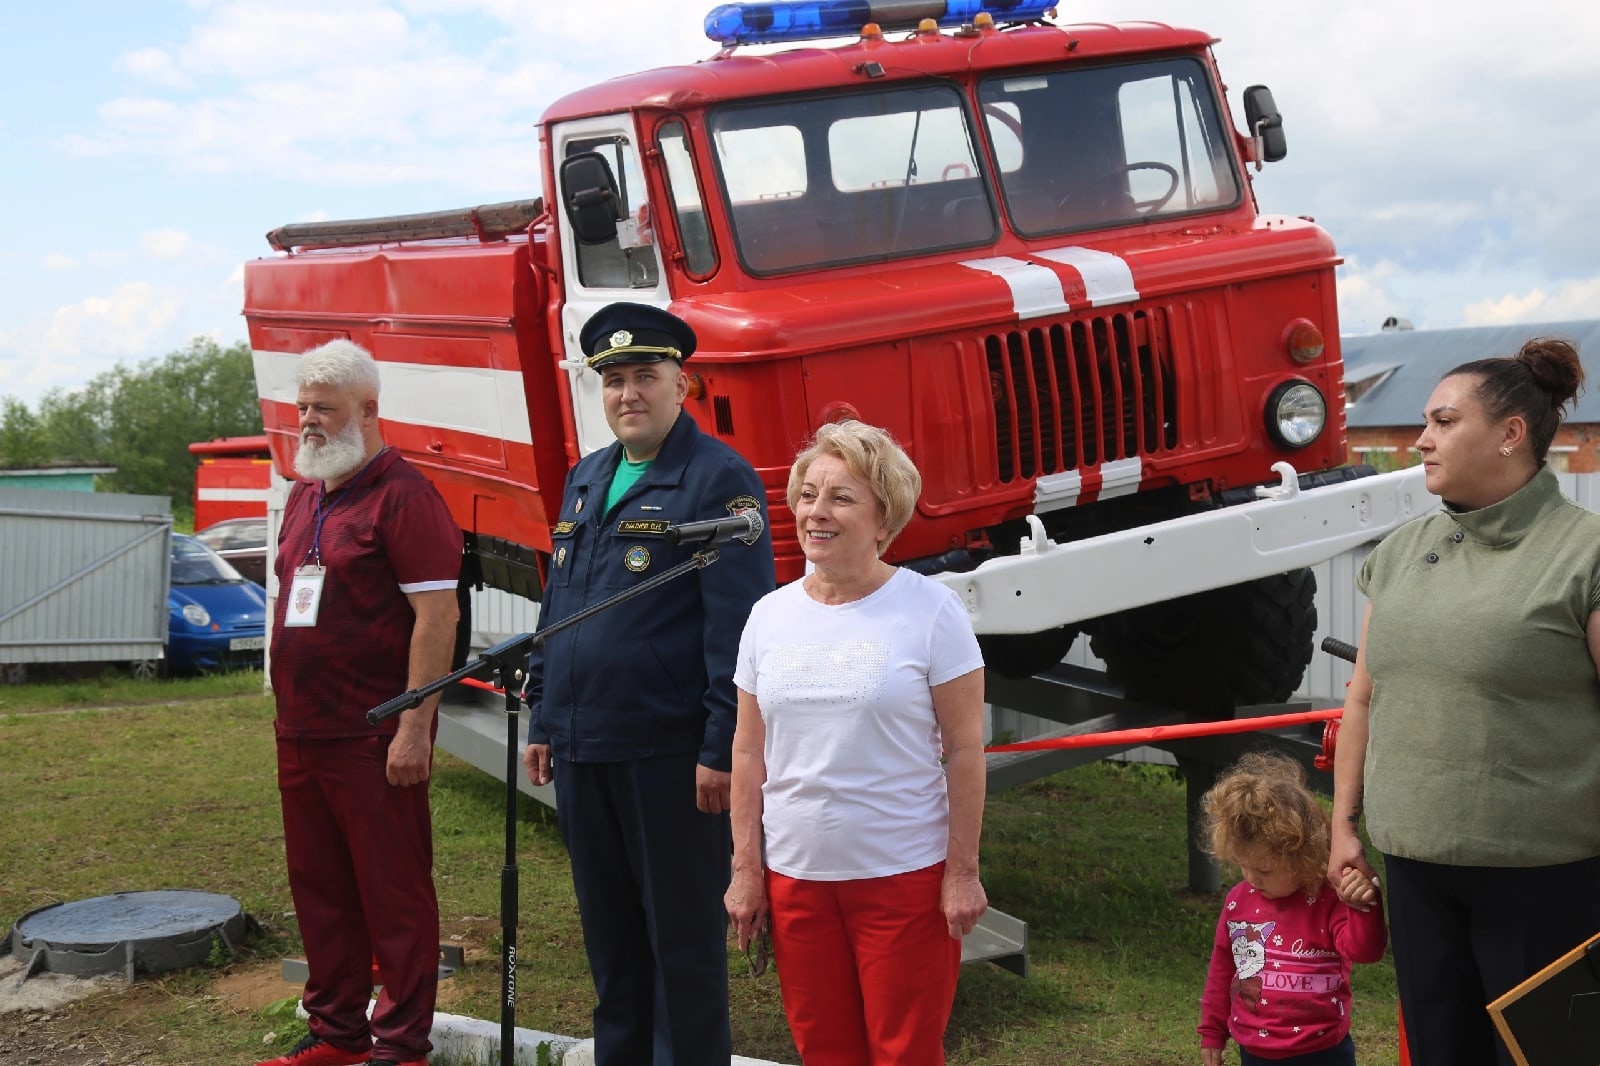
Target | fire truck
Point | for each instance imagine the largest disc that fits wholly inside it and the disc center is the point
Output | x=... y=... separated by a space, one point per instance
x=1032 y=251
x=232 y=480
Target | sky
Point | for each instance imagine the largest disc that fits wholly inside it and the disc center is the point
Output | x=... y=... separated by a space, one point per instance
x=1451 y=147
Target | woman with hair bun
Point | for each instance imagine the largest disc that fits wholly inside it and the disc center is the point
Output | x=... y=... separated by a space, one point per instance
x=1471 y=733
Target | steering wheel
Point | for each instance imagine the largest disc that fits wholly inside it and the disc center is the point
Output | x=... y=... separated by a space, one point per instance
x=1117 y=176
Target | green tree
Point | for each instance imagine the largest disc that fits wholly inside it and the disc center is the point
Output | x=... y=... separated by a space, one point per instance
x=22 y=435
x=141 y=420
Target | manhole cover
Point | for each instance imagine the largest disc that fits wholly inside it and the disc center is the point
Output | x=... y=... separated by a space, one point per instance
x=134 y=933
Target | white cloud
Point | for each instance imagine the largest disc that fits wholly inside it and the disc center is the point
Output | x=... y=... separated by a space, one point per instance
x=58 y=261
x=75 y=342
x=154 y=65
x=1576 y=299
x=166 y=243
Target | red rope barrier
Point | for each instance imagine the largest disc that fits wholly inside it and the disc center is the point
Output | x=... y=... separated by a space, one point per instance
x=475 y=683
x=1171 y=732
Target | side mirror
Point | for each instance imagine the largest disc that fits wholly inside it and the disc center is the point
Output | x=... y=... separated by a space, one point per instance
x=1266 y=125
x=589 y=191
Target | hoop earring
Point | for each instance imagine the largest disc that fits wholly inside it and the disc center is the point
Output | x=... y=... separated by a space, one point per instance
x=1506 y=451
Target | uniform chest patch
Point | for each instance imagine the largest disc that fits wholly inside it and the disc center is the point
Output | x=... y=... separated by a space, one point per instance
x=637 y=558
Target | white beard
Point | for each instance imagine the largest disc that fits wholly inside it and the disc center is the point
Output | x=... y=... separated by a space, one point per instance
x=334 y=458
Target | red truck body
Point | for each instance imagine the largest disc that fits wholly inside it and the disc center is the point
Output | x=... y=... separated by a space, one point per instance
x=1093 y=362
x=232 y=479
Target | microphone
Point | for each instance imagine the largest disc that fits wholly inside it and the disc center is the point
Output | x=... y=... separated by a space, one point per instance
x=747 y=526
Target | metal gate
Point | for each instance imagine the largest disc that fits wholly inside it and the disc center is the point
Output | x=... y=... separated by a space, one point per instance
x=83 y=576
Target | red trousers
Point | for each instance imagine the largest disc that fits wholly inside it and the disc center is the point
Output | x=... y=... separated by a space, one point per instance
x=867 y=968
x=360 y=857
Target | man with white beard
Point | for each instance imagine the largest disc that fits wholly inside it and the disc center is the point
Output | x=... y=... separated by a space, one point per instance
x=367 y=563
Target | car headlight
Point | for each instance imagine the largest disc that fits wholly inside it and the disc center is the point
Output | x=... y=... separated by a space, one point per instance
x=196 y=615
x=1296 y=414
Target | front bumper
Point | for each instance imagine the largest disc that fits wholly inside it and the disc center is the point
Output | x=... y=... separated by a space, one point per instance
x=1047 y=584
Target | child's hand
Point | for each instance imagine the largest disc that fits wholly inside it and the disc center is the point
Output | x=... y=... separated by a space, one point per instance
x=1210 y=1056
x=1357 y=890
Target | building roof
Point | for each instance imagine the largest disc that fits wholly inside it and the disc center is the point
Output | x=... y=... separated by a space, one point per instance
x=1404 y=366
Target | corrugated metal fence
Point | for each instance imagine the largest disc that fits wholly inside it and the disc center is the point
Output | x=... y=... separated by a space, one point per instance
x=83 y=576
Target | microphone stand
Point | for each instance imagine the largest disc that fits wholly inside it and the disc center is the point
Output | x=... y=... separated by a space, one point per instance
x=505 y=661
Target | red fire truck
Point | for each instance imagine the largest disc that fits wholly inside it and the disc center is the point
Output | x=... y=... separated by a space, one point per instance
x=1031 y=251
x=232 y=479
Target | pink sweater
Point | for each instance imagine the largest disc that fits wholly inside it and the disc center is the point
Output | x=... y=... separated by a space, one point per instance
x=1279 y=981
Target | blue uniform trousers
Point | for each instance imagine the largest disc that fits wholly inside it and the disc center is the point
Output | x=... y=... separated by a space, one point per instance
x=650 y=870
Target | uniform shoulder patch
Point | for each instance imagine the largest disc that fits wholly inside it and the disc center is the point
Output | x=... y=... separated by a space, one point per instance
x=741 y=504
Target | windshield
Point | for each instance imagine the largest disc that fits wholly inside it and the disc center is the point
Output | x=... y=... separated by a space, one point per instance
x=848 y=179
x=195 y=564
x=1108 y=145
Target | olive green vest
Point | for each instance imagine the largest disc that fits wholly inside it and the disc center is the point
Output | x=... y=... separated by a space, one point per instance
x=1484 y=734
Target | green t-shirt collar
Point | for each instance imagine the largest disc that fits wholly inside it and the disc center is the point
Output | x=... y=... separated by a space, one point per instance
x=1503 y=524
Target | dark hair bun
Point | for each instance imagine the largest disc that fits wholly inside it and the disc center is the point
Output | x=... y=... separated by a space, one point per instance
x=1555 y=366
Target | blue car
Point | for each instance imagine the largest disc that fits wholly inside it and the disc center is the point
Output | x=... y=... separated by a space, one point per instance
x=219 y=617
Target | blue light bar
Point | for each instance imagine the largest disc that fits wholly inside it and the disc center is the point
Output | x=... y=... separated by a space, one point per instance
x=805 y=20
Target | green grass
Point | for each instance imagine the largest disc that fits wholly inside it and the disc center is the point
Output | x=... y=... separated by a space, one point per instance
x=151 y=785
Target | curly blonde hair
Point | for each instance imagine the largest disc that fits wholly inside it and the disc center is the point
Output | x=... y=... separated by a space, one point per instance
x=1263 y=806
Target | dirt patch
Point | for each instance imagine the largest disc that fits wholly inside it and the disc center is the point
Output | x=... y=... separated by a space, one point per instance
x=252 y=988
x=47 y=992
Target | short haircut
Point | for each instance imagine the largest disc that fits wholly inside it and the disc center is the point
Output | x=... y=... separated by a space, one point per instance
x=342 y=364
x=872 y=455
x=1261 y=806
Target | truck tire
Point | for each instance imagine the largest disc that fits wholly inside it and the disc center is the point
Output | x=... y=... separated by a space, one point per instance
x=1217 y=650
x=1019 y=655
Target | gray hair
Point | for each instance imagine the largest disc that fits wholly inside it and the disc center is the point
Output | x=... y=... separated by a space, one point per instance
x=340 y=363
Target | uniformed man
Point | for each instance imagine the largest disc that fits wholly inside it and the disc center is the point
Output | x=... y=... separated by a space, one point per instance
x=633 y=710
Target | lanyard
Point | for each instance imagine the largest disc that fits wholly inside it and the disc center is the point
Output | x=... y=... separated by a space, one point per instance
x=315 y=551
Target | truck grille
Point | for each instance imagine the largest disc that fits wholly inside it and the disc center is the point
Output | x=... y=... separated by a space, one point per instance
x=1081 y=392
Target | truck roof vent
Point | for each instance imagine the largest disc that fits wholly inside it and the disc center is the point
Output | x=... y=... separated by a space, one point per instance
x=132 y=933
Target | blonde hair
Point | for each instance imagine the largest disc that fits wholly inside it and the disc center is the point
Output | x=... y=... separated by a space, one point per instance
x=1263 y=806
x=872 y=455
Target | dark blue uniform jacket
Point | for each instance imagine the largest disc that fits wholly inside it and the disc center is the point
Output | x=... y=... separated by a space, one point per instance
x=653 y=676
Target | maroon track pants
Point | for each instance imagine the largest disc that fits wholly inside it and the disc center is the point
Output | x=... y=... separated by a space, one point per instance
x=360 y=856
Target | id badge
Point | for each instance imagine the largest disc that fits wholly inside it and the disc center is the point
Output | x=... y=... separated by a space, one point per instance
x=305 y=596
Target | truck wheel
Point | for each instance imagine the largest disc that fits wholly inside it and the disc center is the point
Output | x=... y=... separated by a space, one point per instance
x=1216 y=650
x=1026 y=654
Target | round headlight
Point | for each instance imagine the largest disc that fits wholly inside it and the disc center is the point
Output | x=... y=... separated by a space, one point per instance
x=1296 y=413
x=196 y=615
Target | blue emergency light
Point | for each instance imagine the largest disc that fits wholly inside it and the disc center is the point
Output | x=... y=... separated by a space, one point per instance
x=804 y=20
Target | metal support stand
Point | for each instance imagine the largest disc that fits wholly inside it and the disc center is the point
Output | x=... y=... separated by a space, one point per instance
x=505 y=662
x=1198 y=777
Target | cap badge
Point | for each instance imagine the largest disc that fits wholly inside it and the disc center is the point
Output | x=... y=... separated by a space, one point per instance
x=621 y=339
x=637 y=559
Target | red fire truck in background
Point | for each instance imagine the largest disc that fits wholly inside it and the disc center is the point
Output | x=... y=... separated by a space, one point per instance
x=1031 y=251
x=232 y=479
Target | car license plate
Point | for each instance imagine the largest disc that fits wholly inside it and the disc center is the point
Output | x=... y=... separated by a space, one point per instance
x=247 y=643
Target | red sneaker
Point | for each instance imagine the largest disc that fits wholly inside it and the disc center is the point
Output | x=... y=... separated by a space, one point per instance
x=315 y=1051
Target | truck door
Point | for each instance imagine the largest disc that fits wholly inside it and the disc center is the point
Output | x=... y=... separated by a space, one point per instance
x=626 y=268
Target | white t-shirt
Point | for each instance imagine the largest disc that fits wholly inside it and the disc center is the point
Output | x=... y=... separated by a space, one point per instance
x=855 y=787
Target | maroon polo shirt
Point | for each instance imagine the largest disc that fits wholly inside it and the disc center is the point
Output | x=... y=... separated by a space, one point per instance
x=385 y=534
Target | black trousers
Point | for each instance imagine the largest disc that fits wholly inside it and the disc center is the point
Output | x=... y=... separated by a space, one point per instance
x=1465 y=935
x=650 y=871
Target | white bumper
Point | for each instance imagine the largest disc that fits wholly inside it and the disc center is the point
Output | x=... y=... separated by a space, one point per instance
x=1049 y=584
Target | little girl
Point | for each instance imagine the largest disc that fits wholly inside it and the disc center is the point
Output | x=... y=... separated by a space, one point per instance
x=1279 y=982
